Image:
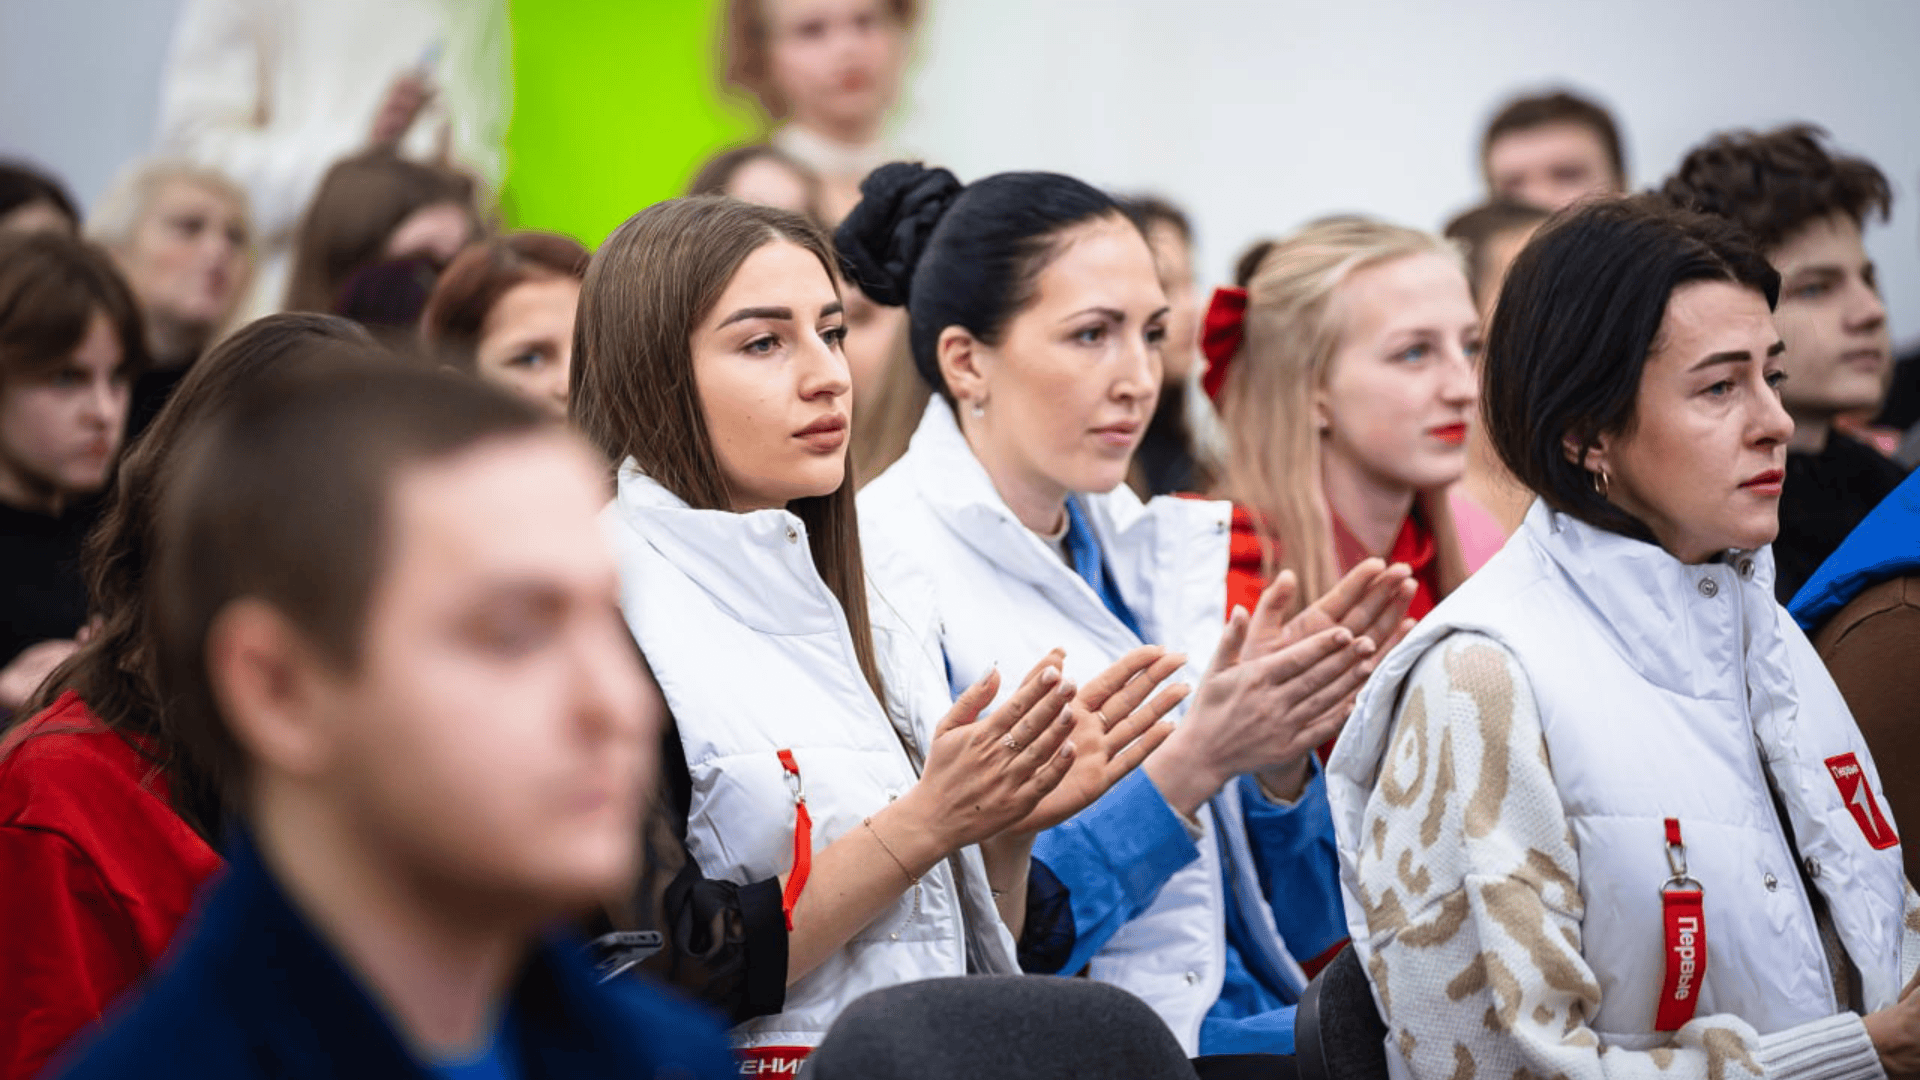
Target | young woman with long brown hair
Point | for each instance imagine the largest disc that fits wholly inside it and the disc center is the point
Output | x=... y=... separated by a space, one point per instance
x=71 y=347
x=376 y=207
x=868 y=839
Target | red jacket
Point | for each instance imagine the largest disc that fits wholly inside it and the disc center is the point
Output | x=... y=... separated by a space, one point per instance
x=96 y=871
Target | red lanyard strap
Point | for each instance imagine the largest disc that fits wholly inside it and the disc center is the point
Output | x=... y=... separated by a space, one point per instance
x=1683 y=913
x=802 y=839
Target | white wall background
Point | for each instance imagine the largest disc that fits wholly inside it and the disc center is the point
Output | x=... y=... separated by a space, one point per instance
x=80 y=84
x=1257 y=115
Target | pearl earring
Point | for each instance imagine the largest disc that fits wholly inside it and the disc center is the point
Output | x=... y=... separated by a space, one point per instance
x=979 y=409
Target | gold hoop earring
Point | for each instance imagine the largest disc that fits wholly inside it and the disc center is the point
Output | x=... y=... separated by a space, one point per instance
x=1600 y=482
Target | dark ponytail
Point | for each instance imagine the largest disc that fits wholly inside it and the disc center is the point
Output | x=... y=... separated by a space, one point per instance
x=953 y=255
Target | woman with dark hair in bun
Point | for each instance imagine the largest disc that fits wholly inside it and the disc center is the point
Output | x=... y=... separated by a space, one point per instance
x=1202 y=881
x=841 y=813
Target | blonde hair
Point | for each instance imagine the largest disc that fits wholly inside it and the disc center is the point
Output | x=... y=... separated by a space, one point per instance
x=131 y=197
x=1293 y=329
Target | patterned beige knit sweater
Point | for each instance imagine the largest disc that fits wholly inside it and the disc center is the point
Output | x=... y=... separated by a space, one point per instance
x=1469 y=876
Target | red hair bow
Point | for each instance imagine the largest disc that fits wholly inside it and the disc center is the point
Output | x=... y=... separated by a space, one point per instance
x=1220 y=336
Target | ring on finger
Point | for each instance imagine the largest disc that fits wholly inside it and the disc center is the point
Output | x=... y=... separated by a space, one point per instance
x=1010 y=744
x=1101 y=716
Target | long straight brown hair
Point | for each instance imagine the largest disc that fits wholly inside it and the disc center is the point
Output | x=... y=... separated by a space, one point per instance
x=632 y=390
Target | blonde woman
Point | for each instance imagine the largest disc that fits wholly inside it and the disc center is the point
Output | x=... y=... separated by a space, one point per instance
x=1344 y=375
x=182 y=236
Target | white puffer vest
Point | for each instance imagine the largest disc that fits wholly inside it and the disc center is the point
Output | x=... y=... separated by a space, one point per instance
x=754 y=656
x=934 y=521
x=1668 y=690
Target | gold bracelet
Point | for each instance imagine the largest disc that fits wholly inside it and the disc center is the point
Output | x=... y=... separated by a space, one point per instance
x=911 y=877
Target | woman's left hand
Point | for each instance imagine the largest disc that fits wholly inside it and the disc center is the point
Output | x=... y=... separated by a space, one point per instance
x=1115 y=727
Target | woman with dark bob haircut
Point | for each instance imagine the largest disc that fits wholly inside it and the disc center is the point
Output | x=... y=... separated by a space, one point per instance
x=1606 y=794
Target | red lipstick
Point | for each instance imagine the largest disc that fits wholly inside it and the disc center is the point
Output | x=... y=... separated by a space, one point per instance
x=1450 y=434
x=1768 y=483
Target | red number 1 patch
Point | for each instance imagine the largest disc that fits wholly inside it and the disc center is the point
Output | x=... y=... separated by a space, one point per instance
x=1858 y=795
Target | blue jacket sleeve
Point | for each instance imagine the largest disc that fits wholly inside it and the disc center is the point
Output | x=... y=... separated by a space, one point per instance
x=1298 y=864
x=1113 y=857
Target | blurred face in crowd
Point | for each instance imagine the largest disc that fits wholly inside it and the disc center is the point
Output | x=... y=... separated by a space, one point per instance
x=437 y=232
x=187 y=258
x=1399 y=393
x=1173 y=260
x=1702 y=463
x=773 y=379
x=768 y=181
x=60 y=428
x=493 y=738
x=1065 y=396
x=1839 y=350
x=1550 y=166
x=526 y=343
x=1495 y=261
x=836 y=62
x=875 y=335
x=36 y=217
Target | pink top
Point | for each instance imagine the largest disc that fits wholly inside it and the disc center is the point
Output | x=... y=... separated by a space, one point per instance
x=1480 y=532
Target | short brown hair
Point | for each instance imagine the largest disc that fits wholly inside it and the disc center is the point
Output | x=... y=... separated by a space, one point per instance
x=51 y=285
x=744 y=48
x=1775 y=183
x=282 y=497
x=22 y=185
x=1247 y=266
x=718 y=172
x=633 y=392
x=113 y=671
x=360 y=202
x=1474 y=230
x=1146 y=211
x=476 y=280
x=1558 y=107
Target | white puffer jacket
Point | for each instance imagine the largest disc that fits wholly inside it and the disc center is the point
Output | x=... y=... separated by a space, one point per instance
x=1005 y=598
x=1671 y=691
x=754 y=656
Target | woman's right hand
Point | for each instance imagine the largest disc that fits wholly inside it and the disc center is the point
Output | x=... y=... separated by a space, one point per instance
x=1895 y=1032
x=985 y=773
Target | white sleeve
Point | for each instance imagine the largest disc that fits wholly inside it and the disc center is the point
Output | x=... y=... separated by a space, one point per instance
x=217 y=109
x=1470 y=880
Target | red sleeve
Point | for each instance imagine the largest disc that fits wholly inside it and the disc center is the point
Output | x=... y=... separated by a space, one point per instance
x=66 y=951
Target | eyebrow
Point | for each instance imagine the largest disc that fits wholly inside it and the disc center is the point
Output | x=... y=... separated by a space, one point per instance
x=1738 y=356
x=778 y=314
x=1113 y=314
